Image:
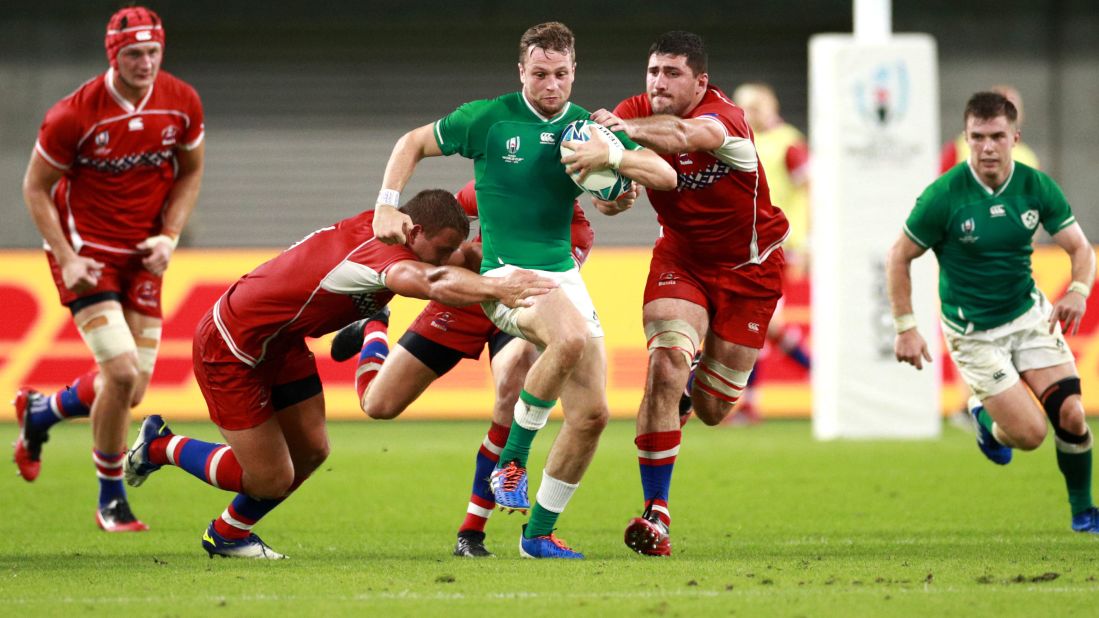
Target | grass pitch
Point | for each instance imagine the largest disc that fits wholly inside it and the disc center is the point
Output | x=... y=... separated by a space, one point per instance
x=767 y=522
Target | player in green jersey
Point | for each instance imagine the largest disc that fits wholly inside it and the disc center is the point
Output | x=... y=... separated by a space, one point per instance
x=1004 y=336
x=525 y=198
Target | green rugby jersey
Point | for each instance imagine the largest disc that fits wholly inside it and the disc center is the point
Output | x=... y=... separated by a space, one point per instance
x=524 y=196
x=983 y=241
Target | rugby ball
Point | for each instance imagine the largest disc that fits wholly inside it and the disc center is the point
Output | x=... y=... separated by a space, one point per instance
x=605 y=184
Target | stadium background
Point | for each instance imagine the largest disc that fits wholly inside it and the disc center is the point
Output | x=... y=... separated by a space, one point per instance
x=304 y=102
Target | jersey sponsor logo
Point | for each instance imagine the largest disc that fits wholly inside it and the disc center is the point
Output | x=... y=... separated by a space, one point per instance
x=168 y=135
x=547 y=138
x=968 y=226
x=1030 y=219
x=997 y=211
x=148 y=294
x=705 y=178
x=126 y=163
x=442 y=320
x=668 y=279
x=513 y=147
x=136 y=124
x=685 y=158
x=753 y=326
x=999 y=375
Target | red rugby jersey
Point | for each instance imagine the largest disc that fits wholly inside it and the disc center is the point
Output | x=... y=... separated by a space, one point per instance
x=721 y=210
x=118 y=159
x=583 y=237
x=332 y=277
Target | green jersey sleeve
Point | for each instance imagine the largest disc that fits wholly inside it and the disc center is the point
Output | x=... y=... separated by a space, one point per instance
x=927 y=222
x=453 y=131
x=1054 y=211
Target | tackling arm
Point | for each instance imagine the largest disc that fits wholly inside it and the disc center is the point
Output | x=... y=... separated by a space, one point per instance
x=456 y=286
x=909 y=346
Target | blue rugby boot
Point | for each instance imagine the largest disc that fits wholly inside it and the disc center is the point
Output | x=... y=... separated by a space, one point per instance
x=250 y=547
x=1087 y=521
x=509 y=487
x=547 y=546
x=995 y=452
x=136 y=466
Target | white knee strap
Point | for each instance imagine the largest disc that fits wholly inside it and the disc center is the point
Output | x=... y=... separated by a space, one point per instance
x=676 y=335
x=723 y=382
x=148 y=342
x=107 y=335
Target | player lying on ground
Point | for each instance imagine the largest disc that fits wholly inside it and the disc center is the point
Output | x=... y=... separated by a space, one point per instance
x=260 y=380
x=388 y=381
x=1003 y=334
x=113 y=178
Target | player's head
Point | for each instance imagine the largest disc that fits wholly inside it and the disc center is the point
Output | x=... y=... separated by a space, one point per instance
x=759 y=103
x=991 y=130
x=547 y=66
x=1011 y=93
x=439 y=225
x=135 y=45
x=677 y=77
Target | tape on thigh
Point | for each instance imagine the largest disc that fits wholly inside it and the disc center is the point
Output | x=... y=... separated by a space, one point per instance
x=675 y=335
x=148 y=342
x=107 y=335
x=720 y=381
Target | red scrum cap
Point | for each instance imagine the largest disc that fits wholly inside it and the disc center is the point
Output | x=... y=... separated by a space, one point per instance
x=131 y=26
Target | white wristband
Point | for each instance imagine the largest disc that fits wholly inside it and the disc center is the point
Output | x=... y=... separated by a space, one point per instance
x=389 y=197
x=614 y=157
x=902 y=323
x=1082 y=289
x=166 y=239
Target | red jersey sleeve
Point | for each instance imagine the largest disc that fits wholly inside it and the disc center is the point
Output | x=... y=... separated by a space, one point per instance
x=59 y=135
x=196 y=130
x=633 y=107
x=467 y=197
x=720 y=109
x=583 y=237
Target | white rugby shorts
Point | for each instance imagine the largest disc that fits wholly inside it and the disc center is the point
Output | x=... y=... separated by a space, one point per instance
x=506 y=318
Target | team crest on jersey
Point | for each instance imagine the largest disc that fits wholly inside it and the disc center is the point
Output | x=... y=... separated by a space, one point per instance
x=968 y=226
x=136 y=124
x=442 y=320
x=102 y=138
x=1030 y=219
x=168 y=135
x=513 y=147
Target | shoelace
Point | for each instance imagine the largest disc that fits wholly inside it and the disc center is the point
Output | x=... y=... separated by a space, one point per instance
x=512 y=475
x=558 y=542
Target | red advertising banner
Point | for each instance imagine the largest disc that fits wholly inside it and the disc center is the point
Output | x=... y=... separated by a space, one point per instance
x=40 y=347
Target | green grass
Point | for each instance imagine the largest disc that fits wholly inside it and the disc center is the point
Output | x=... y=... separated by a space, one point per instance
x=767 y=522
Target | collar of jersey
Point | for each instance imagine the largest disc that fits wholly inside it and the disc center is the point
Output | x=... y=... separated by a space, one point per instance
x=988 y=189
x=560 y=115
x=121 y=100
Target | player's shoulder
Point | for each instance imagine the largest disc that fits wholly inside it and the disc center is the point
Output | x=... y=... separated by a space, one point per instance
x=81 y=103
x=714 y=101
x=952 y=182
x=174 y=86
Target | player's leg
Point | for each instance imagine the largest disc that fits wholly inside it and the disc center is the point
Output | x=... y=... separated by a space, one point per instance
x=373 y=350
x=721 y=377
x=106 y=333
x=673 y=327
x=555 y=324
x=146 y=330
x=584 y=403
x=402 y=378
x=511 y=359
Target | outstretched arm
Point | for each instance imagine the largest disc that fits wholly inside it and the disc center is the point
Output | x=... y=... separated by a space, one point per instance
x=665 y=133
x=390 y=225
x=1069 y=309
x=642 y=166
x=909 y=346
x=456 y=286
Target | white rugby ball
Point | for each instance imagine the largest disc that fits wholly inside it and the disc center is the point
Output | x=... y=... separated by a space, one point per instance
x=606 y=184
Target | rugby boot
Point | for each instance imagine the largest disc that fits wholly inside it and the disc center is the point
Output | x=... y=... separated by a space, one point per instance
x=250 y=547
x=28 y=446
x=546 y=546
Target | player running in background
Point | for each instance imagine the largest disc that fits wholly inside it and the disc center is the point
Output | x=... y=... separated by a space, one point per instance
x=260 y=380
x=716 y=270
x=980 y=218
x=113 y=178
x=525 y=199
x=784 y=154
x=434 y=343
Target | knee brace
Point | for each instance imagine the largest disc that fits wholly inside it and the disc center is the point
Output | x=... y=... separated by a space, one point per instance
x=147 y=342
x=720 y=381
x=1052 y=400
x=107 y=335
x=675 y=335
